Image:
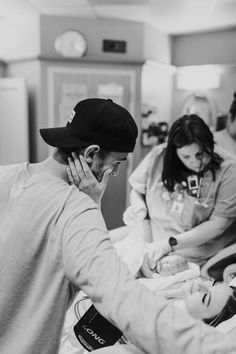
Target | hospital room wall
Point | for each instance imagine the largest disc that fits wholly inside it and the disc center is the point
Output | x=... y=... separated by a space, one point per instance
x=156 y=97
x=156 y=80
x=30 y=70
x=219 y=98
x=152 y=45
x=217 y=50
x=42 y=61
x=2 y=68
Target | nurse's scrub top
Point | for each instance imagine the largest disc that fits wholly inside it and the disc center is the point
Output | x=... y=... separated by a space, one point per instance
x=182 y=210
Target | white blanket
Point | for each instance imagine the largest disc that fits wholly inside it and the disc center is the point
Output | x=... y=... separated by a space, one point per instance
x=131 y=250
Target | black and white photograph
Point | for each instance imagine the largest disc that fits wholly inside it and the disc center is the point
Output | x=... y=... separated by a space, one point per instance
x=118 y=176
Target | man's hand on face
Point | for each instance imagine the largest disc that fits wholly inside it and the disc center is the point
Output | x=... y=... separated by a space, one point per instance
x=80 y=174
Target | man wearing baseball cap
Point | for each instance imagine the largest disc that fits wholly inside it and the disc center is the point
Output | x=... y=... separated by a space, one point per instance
x=103 y=132
x=54 y=240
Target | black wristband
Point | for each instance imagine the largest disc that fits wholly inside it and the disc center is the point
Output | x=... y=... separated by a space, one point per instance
x=172 y=242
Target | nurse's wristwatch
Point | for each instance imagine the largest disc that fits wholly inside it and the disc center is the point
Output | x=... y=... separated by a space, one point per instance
x=172 y=242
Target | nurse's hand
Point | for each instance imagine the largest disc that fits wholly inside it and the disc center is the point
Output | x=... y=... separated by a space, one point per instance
x=157 y=250
x=145 y=270
x=80 y=174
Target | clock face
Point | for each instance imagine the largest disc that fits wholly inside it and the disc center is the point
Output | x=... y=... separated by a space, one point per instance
x=71 y=44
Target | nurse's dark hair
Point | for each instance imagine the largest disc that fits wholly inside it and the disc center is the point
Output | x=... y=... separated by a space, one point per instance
x=228 y=311
x=187 y=130
x=232 y=110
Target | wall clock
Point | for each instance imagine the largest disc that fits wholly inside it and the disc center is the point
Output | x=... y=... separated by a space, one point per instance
x=71 y=44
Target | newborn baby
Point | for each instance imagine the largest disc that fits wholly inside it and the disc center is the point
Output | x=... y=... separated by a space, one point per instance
x=168 y=265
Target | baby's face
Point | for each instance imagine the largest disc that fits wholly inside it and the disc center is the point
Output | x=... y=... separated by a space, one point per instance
x=171 y=264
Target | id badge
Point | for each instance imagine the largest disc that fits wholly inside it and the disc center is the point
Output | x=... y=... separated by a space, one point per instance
x=177 y=208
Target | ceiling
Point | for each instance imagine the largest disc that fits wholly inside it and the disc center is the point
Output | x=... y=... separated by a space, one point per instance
x=169 y=16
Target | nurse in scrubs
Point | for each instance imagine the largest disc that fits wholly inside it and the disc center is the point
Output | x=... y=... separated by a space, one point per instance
x=187 y=189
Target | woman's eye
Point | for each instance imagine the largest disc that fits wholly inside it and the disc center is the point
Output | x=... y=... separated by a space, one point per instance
x=199 y=155
x=204 y=298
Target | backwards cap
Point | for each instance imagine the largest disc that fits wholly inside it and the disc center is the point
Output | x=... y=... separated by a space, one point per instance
x=95 y=121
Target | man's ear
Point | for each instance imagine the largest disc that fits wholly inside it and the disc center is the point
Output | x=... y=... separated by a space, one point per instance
x=89 y=153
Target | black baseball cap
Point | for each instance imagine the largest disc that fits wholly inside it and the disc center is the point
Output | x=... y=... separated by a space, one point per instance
x=95 y=121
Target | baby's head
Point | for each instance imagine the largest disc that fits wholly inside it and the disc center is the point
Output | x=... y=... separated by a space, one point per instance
x=171 y=264
x=168 y=265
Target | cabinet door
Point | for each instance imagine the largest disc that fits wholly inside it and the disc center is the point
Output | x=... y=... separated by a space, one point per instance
x=14 y=142
x=69 y=85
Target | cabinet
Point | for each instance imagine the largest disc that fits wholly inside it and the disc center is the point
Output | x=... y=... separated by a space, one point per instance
x=14 y=134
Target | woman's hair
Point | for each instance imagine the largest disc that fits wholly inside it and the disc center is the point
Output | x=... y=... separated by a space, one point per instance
x=187 y=130
x=228 y=311
x=232 y=110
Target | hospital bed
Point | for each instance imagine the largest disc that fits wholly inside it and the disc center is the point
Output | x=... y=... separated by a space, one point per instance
x=225 y=259
x=222 y=266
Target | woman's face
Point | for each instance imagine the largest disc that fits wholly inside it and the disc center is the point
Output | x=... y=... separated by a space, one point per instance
x=193 y=157
x=205 y=299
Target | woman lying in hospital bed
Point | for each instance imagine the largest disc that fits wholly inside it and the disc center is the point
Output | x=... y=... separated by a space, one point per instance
x=173 y=277
x=177 y=279
x=215 y=304
x=170 y=273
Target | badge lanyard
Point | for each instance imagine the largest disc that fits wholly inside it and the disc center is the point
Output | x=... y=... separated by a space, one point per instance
x=178 y=202
x=204 y=203
x=177 y=205
x=194 y=187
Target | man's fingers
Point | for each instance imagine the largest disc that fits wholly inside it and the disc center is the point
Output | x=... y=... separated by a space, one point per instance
x=85 y=167
x=105 y=177
x=69 y=175
x=77 y=164
x=73 y=169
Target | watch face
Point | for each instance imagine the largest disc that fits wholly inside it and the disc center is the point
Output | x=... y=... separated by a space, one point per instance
x=172 y=241
x=71 y=44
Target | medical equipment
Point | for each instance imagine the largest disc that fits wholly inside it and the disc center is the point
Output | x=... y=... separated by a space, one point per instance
x=222 y=266
x=94 y=331
x=193 y=184
x=204 y=203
